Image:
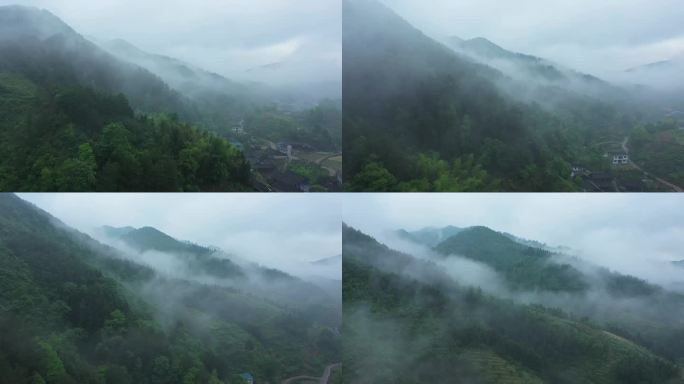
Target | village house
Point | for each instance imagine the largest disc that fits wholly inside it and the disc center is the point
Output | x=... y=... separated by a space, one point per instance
x=239 y=129
x=620 y=158
x=284 y=145
x=578 y=171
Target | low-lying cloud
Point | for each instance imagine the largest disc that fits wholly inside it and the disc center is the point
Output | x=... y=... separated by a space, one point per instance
x=637 y=234
x=228 y=37
x=283 y=231
x=596 y=37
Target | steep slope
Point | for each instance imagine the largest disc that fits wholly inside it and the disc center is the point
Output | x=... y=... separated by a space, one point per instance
x=43 y=48
x=183 y=77
x=194 y=262
x=68 y=126
x=419 y=116
x=218 y=102
x=66 y=322
x=410 y=329
x=524 y=267
x=75 y=311
x=535 y=70
x=407 y=95
x=629 y=306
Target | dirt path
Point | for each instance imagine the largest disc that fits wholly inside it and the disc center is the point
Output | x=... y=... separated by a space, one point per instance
x=321 y=380
x=674 y=187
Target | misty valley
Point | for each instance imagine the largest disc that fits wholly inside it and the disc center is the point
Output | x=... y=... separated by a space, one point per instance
x=473 y=305
x=453 y=114
x=99 y=114
x=135 y=305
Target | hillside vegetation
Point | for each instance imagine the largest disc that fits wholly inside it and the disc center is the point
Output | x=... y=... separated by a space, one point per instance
x=421 y=116
x=73 y=310
x=407 y=320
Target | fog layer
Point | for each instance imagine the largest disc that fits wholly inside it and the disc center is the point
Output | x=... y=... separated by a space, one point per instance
x=634 y=234
x=601 y=38
x=286 y=232
x=279 y=42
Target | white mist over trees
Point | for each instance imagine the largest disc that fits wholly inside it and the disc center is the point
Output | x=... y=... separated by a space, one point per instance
x=270 y=41
x=431 y=293
x=288 y=233
x=600 y=38
x=136 y=305
x=633 y=234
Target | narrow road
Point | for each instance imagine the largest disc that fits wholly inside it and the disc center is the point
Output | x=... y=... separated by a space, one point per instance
x=321 y=380
x=328 y=372
x=675 y=187
x=319 y=162
x=322 y=159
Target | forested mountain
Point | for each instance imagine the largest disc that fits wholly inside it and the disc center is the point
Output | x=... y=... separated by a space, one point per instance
x=415 y=319
x=220 y=103
x=182 y=77
x=42 y=48
x=217 y=101
x=73 y=310
x=69 y=121
x=540 y=80
x=78 y=116
x=429 y=236
x=195 y=262
x=420 y=116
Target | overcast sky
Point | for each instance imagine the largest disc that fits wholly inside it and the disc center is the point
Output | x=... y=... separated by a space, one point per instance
x=277 y=230
x=225 y=36
x=597 y=37
x=631 y=233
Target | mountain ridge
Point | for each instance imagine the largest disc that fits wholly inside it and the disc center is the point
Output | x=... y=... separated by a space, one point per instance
x=408 y=321
x=70 y=302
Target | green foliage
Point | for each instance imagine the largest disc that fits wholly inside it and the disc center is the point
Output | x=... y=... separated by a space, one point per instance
x=72 y=311
x=313 y=173
x=373 y=178
x=401 y=330
x=659 y=148
x=431 y=121
x=320 y=126
x=524 y=267
x=77 y=139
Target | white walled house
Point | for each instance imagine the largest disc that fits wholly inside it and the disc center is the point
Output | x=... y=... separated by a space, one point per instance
x=620 y=158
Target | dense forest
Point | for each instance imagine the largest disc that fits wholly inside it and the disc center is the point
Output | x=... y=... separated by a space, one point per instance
x=423 y=116
x=80 y=117
x=410 y=319
x=77 y=139
x=73 y=310
x=68 y=122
